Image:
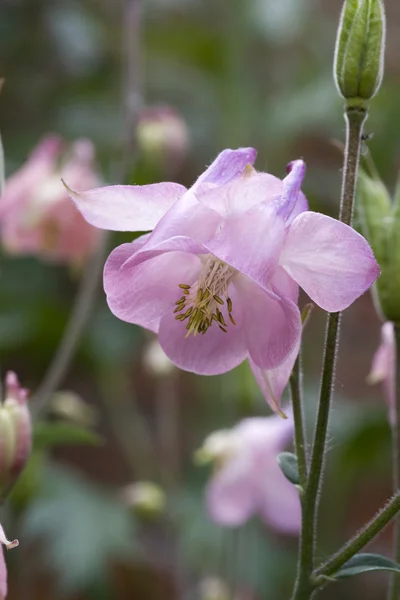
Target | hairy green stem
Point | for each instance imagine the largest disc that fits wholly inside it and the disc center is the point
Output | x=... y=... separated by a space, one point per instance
x=361 y=539
x=394 y=588
x=304 y=587
x=299 y=431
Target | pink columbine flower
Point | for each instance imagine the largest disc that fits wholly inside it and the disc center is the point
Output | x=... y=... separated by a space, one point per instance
x=218 y=277
x=15 y=432
x=36 y=215
x=248 y=480
x=383 y=369
x=3 y=567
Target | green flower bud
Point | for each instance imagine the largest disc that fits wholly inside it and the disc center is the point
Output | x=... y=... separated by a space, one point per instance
x=146 y=499
x=359 y=53
x=380 y=223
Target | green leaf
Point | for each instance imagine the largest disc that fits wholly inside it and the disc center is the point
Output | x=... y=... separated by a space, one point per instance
x=364 y=563
x=48 y=434
x=289 y=466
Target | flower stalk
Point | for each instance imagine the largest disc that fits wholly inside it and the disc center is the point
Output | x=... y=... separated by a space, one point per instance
x=394 y=589
x=355 y=119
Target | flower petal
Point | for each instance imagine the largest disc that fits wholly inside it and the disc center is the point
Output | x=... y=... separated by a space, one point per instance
x=332 y=263
x=272 y=382
x=127 y=207
x=213 y=353
x=141 y=292
x=251 y=243
x=228 y=165
x=279 y=501
x=231 y=494
x=383 y=369
x=291 y=188
x=272 y=323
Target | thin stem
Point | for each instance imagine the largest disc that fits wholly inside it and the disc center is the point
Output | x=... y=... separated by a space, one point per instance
x=362 y=538
x=86 y=294
x=298 y=417
x=81 y=311
x=394 y=589
x=355 y=119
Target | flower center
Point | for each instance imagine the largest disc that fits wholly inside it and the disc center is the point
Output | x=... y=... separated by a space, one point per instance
x=201 y=302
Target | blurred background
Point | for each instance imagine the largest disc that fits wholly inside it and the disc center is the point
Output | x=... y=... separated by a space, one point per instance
x=238 y=73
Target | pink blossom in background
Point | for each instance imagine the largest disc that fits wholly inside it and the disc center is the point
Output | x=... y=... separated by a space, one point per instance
x=247 y=479
x=15 y=432
x=218 y=277
x=3 y=567
x=36 y=216
x=383 y=369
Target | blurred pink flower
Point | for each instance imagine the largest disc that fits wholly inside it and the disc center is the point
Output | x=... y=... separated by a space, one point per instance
x=36 y=216
x=3 y=567
x=383 y=369
x=247 y=479
x=225 y=260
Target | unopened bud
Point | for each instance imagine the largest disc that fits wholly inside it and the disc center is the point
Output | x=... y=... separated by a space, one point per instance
x=146 y=499
x=380 y=223
x=156 y=362
x=360 y=46
x=163 y=139
x=70 y=406
x=15 y=432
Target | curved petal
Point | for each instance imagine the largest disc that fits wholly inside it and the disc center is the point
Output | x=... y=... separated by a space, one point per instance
x=228 y=165
x=272 y=382
x=251 y=243
x=272 y=323
x=300 y=206
x=332 y=263
x=231 y=497
x=142 y=293
x=279 y=503
x=383 y=369
x=291 y=188
x=127 y=207
x=242 y=194
x=213 y=353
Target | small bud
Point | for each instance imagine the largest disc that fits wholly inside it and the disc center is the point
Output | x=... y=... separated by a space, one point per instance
x=213 y=588
x=380 y=223
x=15 y=433
x=163 y=139
x=70 y=406
x=146 y=499
x=156 y=362
x=359 y=53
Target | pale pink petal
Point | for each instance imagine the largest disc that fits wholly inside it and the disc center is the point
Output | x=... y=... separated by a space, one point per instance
x=300 y=206
x=291 y=188
x=127 y=207
x=251 y=243
x=272 y=323
x=283 y=285
x=272 y=382
x=231 y=494
x=228 y=165
x=5 y=541
x=242 y=194
x=141 y=288
x=279 y=500
x=383 y=368
x=14 y=389
x=332 y=263
x=213 y=353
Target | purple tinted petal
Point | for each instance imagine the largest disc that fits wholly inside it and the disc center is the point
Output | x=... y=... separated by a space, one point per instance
x=231 y=494
x=383 y=369
x=332 y=263
x=213 y=353
x=142 y=293
x=300 y=206
x=3 y=576
x=272 y=323
x=127 y=207
x=251 y=243
x=279 y=501
x=228 y=165
x=291 y=188
x=272 y=382
x=242 y=194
